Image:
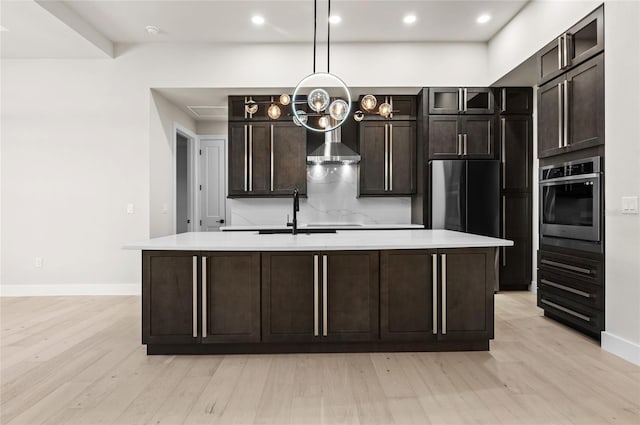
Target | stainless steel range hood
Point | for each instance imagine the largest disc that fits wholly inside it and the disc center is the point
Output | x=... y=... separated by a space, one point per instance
x=333 y=151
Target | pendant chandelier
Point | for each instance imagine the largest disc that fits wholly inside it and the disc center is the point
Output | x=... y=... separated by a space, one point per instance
x=326 y=95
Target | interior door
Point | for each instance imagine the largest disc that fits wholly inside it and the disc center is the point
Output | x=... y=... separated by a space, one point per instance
x=211 y=186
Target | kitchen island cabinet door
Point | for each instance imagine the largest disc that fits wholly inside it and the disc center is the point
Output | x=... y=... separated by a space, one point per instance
x=407 y=302
x=290 y=297
x=467 y=278
x=350 y=296
x=169 y=297
x=231 y=300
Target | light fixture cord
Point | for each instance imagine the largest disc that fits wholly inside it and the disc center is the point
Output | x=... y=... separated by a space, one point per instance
x=315 y=31
x=328 y=34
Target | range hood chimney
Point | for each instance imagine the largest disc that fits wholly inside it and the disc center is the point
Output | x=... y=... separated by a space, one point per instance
x=333 y=151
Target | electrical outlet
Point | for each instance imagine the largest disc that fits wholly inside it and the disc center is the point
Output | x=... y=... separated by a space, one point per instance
x=130 y=209
x=629 y=205
x=38 y=262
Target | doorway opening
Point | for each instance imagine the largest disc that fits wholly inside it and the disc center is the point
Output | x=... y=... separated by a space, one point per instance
x=184 y=180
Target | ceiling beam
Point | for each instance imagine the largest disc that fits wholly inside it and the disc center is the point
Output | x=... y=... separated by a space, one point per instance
x=78 y=24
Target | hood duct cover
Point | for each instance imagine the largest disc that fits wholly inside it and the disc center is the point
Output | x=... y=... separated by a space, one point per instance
x=333 y=151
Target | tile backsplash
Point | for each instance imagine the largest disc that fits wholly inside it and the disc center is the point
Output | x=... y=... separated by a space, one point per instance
x=331 y=198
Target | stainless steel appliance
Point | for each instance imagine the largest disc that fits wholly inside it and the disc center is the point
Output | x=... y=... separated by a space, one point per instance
x=571 y=203
x=465 y=196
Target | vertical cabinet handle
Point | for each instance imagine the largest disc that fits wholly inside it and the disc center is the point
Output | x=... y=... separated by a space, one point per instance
x=316 y=330
x=504 y=230
x=503 y=150
x=250 y=158
x=246 y=157
x=390 y=185
x=566 y=112
x=194 y=272
x=271 y=138
x=459 y=145
x=434 y=289
x=460 y=108
x=204 y=297
x=444 y=293
x=464 y=138
x=324 y=295
x=386 y=157
x=464 y=102
x=565 y=50
x=503 y=106
x=560 y=64
x=560 y=124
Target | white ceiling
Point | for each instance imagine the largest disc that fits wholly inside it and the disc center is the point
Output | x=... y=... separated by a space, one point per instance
x=36 y=32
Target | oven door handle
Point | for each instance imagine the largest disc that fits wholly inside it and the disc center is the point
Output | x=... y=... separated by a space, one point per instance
x=575 y=178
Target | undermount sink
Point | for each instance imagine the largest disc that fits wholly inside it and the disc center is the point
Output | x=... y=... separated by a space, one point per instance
x=288 y=231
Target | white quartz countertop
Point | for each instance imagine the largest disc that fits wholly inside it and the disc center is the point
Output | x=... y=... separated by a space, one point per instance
x=339 y=241
x=342 y=226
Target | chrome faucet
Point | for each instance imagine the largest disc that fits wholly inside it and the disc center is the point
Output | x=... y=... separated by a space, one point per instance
x=296 y=208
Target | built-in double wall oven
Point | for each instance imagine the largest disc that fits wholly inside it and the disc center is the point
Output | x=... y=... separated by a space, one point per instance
x=571 y=204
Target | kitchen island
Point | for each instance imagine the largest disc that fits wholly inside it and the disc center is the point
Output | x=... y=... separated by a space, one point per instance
x=241 y=292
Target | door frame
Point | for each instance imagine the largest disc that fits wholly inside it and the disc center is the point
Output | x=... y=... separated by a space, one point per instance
x=223 y=176
x=193 y=145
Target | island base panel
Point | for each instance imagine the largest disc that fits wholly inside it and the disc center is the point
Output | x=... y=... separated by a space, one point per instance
x=270 y=348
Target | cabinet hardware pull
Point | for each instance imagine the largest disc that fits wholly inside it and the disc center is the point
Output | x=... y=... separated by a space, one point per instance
x=204 y=297
x=566 y=288
x=386 y=157
x=390 y=157
x=504 y=100
x=244 y=108
x=444 y=293
x=560 y=124
x=560 y=65
x=566 y=310
x=324 y=295
x=565 y=50
x=194 y=271
x=246 y=157
x=464 y=138
x=250 y=158
x=460 y=109
x=465 y=100
x=271 y=137
x=489 y=137
x=459 y=145
x=503 y=153
x=316 y=331
x=434 y=289
x=504 y=230
x=566 y=113
x=566 y=267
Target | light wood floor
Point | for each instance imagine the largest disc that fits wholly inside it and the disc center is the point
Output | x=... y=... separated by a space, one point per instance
x=78 y=360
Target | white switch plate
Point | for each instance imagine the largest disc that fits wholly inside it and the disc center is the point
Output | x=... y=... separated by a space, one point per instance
x=130 y=209
x=38 y=262
x=629 y=205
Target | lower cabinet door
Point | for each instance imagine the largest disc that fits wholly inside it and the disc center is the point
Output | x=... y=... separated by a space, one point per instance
x=350 y=296
x=468 y=281
x=290 y=298
x=231 y=297
x=169 y=297
x=408 y=306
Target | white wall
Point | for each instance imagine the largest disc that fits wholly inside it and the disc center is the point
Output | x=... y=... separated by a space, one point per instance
x=622 y=178
x=539 y=22
x=211 y=128
x=81 y=139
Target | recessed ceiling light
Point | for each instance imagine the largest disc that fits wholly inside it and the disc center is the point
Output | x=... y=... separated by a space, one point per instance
x=257 y=19
x=409 y=19
x=483 y=19
x=152 y=29
x=335 y=19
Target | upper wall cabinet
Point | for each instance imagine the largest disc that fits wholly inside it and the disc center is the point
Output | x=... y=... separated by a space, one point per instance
x=255 y=108
x=402 y=108
x=581 y=42
x=461 y=100
x=515 y=100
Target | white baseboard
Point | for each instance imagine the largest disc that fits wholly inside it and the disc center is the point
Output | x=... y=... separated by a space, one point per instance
x=70 y=289
x=534 y=286
x=621 y=347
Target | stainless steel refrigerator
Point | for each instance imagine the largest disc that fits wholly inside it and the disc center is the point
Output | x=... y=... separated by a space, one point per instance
x=465 y=196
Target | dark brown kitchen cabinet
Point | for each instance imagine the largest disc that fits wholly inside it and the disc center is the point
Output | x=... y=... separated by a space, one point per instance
x=461 y=137
x=231 y=312
x=266 y=159
x=581 y=42
x=571 y=110
x=320 y=296
x=408 y=295
x=388 y=158
x=169 y=297
x=467 y=285
x=403 y=107
x=461 y=100
x=515 y=100
x=516 y=154
x=237 y=111
x=516 y=261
